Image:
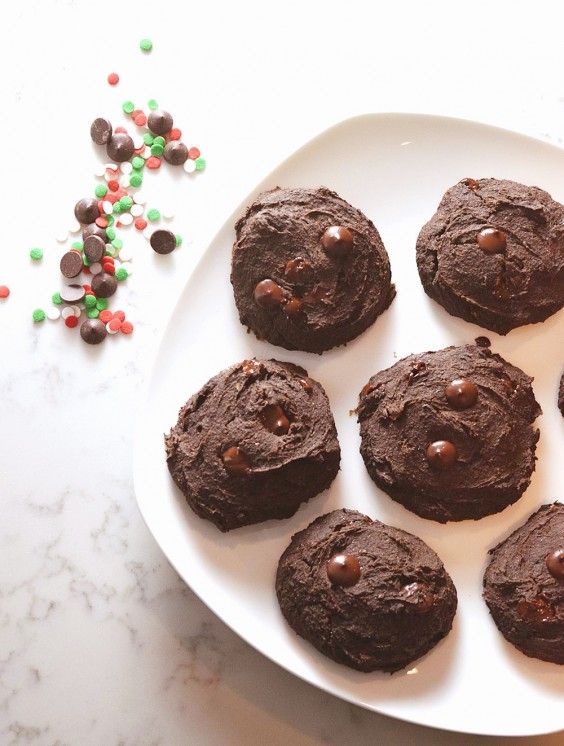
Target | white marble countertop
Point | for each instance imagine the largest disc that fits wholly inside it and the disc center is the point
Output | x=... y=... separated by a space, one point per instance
x=101 y=642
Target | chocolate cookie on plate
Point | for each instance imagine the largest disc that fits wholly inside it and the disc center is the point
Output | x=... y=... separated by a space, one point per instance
x=493 y=253
x=365 y=594
x=254 y=443
x=309 y=271
x=524 y=585
x=450 y=434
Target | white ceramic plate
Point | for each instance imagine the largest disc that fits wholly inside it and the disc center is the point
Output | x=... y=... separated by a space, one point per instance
x=395 y=168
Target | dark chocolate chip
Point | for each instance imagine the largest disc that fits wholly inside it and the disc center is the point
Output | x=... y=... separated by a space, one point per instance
x=274 y=419
x=159 y=122
x=175 y=153
x=555 y=564
x=94 y=248
x=72 y=293
x=305 y=383
x=71 y=264
x=120 y=147
x=421 y=595
x=536 y=610
x=104 y=285
x=483 y=342
x=94 y=230
x=250 y=367
x=235 y=462
x=296 y=269
x=491 y=240
x=163 y=241
x=293 y=307
x=441 y=454
x=343 y=570
x=461 y=393
x=100 y=131
x=86 y=210
x=268 y=294
x=471 y=183
x=337 y=241
x=368 y=388
x=417 y=370
x=93 y=331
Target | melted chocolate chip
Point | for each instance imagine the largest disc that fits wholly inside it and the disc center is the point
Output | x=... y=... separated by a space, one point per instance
x=471 y=183
x=422 y=596
x=555 y=564
x=368 y=388
x=250 y=367
x=293 y=307
x=537 y=610
x=296 y=269
x=235 y=462
x=305 y=383
x=274 y=419
x=343 y=570
x=441 y=454
x=417 y=369
x=337 y=241
x=268 y=294
x=491 y=240
x=461 y=393
x=483 y=342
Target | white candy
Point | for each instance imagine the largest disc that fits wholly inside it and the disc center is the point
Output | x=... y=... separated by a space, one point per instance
x=148 y=232
x=107 y=207
x=76 y=310
x=124 y=181
x=125 y=167
x=111 y=166
x=190 y=166
x=62 y=237
x=168 y=214
x=137 y=210
x=53 y=313
x=125 y=254
x=100 y=170
x=138 y=141
x=67 y=312
x=75 y=227
x=139 y=198
x=111 y=331
x=96 y=268
x=147 y=152
x=126 y=218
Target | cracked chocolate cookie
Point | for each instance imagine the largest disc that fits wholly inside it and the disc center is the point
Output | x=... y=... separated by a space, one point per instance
x=365 y=594
x=450 y=434
x=253 y=444
x=524 y=585
x=309 y=271
x=493 y=254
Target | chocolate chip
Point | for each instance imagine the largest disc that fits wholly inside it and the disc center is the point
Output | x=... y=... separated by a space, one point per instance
x=293 y=307
x=555 y=564
x=483 y=342
x=274 y=419
x=296 y=269
x=368 y=388
x=471 y=183
x=72 y=293
x=417 y=370
x=250 y=367
x=120 y=147
x=93 y=331
x=94 y=248
x=175 y=153
x=337 y=241
x=104 y=285
x=536 y=610
x=86 y=210
x=461 y=393
x=421 y=595
x=441 y=454
x=100 y=131
x=159 y=122
x=491 y=240
x=268 y=294
x=343 y=570
x=235 y=462
x=94 y=230
x=305 y=383
x=71 y=264
x=163 y=241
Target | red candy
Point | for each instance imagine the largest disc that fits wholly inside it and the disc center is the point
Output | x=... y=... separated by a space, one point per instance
x=174 y=134
x=119 y=315
x=113 y=78
x=120 y=129
x=115 y=325
x=153 y=162
x=113 y=186
x=4 y=291
x=140 y=224
x=194 y=153
x=71 y=322
x=140 y=149
x=126 y=327
x=105 y=316
x=139 y=118
x=88 y=290
x=101 y=222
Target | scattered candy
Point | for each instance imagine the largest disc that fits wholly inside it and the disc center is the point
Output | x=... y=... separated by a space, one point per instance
x=71 y=322
x=38 y=315
x=72 y=293
x=153 y=215
x=36 y=254
x=113 y=78
x=146 y=45
x=4 y=291
x=163 y=241
x=53 y=313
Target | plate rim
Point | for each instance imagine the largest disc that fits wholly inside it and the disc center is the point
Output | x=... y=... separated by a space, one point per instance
x=151 y=368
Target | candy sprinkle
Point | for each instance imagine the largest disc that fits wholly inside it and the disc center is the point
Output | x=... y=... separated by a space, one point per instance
x=153 y=215
x=146 y=45
x=4 y=291
x=113 y=78
x=36 y=254
x=152 y=104
x=38 y=315
x=128 y=107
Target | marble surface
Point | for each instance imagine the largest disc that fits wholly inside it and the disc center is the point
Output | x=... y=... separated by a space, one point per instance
x=100 y=641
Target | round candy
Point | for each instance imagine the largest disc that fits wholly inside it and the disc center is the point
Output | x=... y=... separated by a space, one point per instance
x=175 y=153
x=159 y=122
x=343 y=570
x=71 y=264
x=104 y=285
x=163 y=241
x=86 y=210
x=120 y=147
x=100 y=131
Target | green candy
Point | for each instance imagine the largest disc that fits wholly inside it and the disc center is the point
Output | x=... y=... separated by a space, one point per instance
x=110 y=233
x=89 y=301
x=152 y=104
x=86 y=261
x=117 y=243
x=153 y=215
x=156 y=149
x=200 y=164
x=92 y=313
x=78 y=245
x=121 y=274
x=117 y=208
x=36 y=254
x=128 y=106
x=110 y=219
x=135 y=180
x=148 y=138
x=178 y=239
x=159 y=140
x=101 y=190
x=110 y=251
x=101 y=304
x=56 y=299
x=146 y=45
x=126 y=202
x=138 y=163
x=38 y=315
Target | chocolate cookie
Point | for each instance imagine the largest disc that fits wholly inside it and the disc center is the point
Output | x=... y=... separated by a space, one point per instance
x=449 y=434
x=493 y=254
x=309 y=271
x=524 y=585
x=256 y=441
x=561 y=395
x=365 y=594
